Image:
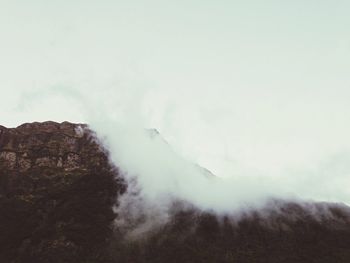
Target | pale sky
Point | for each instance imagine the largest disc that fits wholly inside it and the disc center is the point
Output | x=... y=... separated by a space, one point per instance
x=237 y=86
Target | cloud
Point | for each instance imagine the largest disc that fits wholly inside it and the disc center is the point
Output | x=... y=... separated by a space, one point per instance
x=262 y=106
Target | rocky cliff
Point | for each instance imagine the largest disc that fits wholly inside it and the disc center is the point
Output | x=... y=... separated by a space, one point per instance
x=57 y=190
x=56 y=194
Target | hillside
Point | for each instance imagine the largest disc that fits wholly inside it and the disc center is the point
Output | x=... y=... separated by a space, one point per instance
x=57 y=192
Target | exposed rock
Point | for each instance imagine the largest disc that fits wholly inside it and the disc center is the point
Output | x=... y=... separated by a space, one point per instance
x=8 y=158
x=57 y=190
x=24 y=163
x=47 y=144
x=73 y=161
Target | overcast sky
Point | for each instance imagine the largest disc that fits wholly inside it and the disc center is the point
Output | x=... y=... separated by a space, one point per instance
x=237 y=86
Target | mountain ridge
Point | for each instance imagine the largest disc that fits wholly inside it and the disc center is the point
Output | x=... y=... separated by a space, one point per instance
x=57 y=193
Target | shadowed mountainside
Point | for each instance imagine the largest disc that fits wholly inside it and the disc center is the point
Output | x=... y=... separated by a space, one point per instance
x=57 y=192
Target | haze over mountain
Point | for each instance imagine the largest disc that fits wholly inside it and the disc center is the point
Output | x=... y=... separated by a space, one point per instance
x=214 y=131
x=62 y=200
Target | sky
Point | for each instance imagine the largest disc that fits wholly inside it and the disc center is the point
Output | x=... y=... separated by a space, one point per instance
x=240 y=87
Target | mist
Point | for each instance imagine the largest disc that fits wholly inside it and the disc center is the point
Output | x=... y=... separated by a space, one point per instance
x=158 y=175
x=255 y=93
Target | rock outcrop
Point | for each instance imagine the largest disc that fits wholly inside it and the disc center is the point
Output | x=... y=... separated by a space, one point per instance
x=48 y=144
x=57 y=190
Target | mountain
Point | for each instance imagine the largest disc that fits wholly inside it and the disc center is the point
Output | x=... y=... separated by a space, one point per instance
x=56 y=193
x=58 y=190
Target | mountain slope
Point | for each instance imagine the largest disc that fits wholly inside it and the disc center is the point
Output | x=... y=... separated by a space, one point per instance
x=57 y=192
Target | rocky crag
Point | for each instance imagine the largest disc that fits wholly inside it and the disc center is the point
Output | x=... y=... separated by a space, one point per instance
x=57 y=192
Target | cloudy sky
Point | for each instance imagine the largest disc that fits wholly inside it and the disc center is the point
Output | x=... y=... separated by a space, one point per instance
x=237 y=86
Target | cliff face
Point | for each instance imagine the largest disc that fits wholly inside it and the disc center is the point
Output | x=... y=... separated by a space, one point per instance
x=56 y=194
x=57 y=190
x=48 y=144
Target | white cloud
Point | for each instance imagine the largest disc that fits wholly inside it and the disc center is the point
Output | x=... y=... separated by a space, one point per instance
x=255 y=92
